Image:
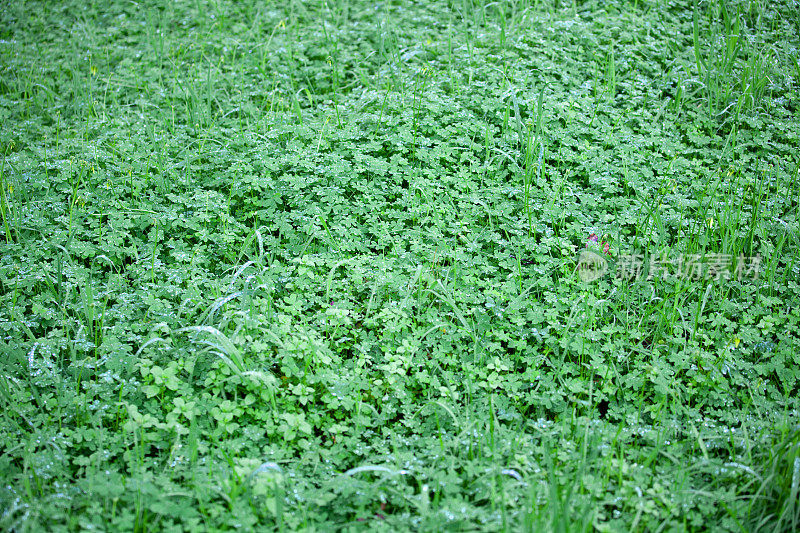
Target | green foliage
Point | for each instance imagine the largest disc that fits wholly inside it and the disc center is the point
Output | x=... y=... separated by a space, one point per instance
x=316 y=266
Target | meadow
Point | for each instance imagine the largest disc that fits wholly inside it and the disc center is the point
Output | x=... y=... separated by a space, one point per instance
x=447 y=265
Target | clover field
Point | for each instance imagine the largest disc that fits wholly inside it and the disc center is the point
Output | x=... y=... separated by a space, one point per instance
x=448 y=265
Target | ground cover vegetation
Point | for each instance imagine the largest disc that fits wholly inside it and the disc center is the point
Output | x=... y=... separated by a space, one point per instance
x=318 y=265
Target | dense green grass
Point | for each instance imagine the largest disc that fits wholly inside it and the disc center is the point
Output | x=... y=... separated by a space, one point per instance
x=318 y=265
